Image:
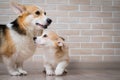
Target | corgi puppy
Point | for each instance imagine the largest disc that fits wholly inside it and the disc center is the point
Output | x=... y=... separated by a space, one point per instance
x=55 y=55
x=16 y=38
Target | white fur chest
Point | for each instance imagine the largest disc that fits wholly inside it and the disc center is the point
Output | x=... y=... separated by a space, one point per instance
x=24 y=46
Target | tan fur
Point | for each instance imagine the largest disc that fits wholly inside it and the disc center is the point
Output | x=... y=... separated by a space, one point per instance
x=8 y=47
x=55 y=52
x=16 y=42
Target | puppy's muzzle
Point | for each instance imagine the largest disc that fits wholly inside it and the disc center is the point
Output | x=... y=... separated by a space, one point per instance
x=34 y=38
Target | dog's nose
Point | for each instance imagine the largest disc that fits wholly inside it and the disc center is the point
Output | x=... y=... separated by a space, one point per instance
x=34 y=38
x=49 y=21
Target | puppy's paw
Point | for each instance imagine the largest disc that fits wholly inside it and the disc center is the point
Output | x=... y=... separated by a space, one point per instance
x=59 y=72
x=15 y=73
x=23 y=72
x=50 y=72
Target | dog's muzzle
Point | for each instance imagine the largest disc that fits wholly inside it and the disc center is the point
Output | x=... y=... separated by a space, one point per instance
x=48 y=22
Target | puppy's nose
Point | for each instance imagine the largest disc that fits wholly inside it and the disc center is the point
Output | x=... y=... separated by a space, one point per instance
x=49 y=21
x=34 y=38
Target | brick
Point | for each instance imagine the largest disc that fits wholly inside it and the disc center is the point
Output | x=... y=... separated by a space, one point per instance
x=103 y=51
x=111 y=20
x=79 y=26
x=116 y=14
x=81 y=2
x=116 y=39
x=101 y=14
x=111 y=58
x=91 y=32
x=102 y=39
x=48 y=7
x=4 y=19
x=116 y=2
x=67 y=7
x=90 y=20
x=79 y=39
x=101 y=2
x=90 y=8
x=80 y=14
x=91 y=27
x=80 y=52
x=4 y=6
x=91 y=58
x=117 y=51
x=102 y=26
x=4 y=1
x=68 y=20
x=111 y=33
x=117 y=26
x=91 y=45
x=111 y=45
x=6 y=12
x=68 y=32
x=34 y=1
x=59 y=26
x=74 y=59
x=57 y=13
x=73 y=45
x=110 y=8
x=56 y=1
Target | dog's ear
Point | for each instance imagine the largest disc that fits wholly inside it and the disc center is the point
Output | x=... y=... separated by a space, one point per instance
x=18 y=8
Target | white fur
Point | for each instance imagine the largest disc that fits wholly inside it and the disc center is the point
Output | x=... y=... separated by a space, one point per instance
x=24 y=49
x=61 y=68
x=24 y=44
x=52 y=63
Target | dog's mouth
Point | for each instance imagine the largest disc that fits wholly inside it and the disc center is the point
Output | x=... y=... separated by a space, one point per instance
x=43 y=26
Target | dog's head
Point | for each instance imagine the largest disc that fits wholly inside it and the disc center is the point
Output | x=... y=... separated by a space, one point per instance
x=31 y=15
x=49 y=39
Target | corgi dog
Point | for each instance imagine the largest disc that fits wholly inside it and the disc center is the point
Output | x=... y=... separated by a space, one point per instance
x=55 y=56
x=16 y=38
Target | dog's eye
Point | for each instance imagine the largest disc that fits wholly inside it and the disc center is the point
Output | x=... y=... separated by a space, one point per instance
x=37 y=12
x=45 y=35
x=44 y=13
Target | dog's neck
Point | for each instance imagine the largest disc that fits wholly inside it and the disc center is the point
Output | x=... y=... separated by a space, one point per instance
x=53 y=51
x=17 y=27
x=25 y=30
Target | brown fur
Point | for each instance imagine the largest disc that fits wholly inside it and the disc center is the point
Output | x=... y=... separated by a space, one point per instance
x=8 y=47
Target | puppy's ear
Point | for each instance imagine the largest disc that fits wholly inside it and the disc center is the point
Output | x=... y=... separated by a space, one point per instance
x=62 y=38
x=17 y=8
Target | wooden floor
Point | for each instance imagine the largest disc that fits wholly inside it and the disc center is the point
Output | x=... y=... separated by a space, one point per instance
x=73 y=74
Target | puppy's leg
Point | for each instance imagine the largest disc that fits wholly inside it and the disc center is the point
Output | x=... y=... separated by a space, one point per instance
x=61 y=68
x=20 y=68
x=49 y=70
x=10 y=66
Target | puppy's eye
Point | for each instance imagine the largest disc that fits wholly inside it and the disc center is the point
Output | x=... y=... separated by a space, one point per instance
x=44 y=35
x=37 y=12
x=44 y=13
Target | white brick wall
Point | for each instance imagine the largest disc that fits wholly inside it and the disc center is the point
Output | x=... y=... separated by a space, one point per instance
x=91 y=27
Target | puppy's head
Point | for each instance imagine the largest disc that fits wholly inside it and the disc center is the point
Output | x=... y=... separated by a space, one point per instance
x=49 y=39
x=31 y=15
